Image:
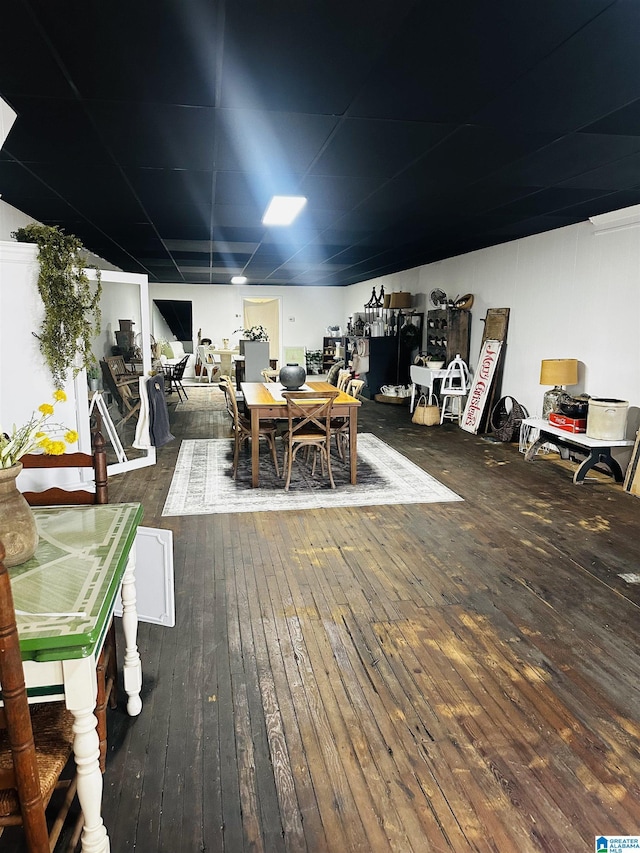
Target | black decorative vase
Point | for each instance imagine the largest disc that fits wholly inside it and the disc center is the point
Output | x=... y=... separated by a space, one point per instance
x=293 y=376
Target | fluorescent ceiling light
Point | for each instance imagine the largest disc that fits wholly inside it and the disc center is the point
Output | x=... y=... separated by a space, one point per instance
x=239 y=279
x=616 y=220
x=283 y=209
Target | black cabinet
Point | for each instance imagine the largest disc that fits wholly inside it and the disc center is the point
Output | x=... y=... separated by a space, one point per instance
x=389 y=356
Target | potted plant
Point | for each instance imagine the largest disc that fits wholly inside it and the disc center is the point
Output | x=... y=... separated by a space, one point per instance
x=254 y=333
x=72 y=306
x=93 y=377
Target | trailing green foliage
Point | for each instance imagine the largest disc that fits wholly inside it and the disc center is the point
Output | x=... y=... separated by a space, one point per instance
x=72 y=315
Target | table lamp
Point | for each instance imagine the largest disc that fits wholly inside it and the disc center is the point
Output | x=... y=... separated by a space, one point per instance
x=557 y=372
x=400 y=299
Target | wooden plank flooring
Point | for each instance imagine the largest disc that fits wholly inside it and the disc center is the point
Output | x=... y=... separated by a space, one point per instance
x=452 y=677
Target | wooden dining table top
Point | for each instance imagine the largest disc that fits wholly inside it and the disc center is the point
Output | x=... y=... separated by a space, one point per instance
x=257 y=394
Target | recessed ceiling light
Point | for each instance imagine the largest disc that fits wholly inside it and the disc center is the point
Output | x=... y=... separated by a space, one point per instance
x=239 y=279
x=283 y=209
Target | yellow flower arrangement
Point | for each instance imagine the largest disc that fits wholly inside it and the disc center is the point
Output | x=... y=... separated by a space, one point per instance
x=36 y=435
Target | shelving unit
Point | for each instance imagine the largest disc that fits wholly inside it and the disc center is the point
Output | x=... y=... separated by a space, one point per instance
x=329 y=352
x=448 y=333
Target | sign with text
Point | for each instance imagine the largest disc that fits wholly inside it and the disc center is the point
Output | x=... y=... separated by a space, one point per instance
x=477 y=399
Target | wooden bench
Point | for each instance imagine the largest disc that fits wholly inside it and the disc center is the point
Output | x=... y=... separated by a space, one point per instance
x=597 y=450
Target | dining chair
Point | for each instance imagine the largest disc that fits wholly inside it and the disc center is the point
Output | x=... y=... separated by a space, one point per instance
x=269 y=375
x=354 y=388
x=309 y=427
x=36 y=742
x=340 y=426
x=455 y=387
x=241 y=427
x=174 y=373
x=344 y=376
x=208 y=361
x=91 y=490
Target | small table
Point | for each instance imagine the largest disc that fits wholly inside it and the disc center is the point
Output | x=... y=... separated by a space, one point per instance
x=423 y=376
x=598 y=451
x=226 y=357
x=262 y=404
x=64 y=598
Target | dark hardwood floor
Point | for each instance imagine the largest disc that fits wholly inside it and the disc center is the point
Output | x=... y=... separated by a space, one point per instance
x=447 y=677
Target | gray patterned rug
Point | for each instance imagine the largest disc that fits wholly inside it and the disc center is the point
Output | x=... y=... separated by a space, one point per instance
x=202 y=481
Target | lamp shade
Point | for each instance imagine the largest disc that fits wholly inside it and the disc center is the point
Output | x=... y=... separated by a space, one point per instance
x=387 y=301
x=400 y=299
x=559 y=371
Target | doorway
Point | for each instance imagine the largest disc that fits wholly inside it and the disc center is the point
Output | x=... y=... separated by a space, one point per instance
x=264 y=312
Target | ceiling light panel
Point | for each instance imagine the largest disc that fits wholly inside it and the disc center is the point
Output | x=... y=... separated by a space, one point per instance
x=283 y=209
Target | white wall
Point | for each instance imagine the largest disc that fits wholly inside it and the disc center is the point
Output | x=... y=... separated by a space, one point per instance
x=217 y=310
x=25 y=380
x=572 y=293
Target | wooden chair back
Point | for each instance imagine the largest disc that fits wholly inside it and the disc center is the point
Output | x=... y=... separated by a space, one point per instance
x=28 y=776
x=309 y=417
x=309 y=412
x=231 y=401
x=122 y=385
x=354 y=388
x=343 y=378
x=56 y=496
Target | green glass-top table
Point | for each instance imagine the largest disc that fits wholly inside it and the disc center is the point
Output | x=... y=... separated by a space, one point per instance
x=64 y=598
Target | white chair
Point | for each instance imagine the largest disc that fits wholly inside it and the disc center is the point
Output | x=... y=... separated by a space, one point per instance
x=209 y=361
x=455 y=387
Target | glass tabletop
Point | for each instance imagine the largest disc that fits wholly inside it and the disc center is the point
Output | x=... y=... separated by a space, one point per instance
x=65 y=592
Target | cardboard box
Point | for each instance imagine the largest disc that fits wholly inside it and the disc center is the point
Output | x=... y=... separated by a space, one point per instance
x=567 y=423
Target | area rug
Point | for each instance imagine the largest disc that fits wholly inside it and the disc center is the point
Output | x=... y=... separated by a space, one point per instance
x=200 y=398
x=202 y=481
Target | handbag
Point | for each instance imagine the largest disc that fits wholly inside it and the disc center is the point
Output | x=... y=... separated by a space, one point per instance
x=505 y=423
x=426 y=413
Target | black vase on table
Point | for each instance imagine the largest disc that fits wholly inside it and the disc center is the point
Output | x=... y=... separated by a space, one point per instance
x=293 y=376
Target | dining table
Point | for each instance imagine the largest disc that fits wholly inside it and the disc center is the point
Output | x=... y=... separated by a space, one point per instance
x=264 y=401
x=64 y=597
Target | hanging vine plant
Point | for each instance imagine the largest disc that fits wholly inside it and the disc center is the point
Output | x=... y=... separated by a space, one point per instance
x=72 y=315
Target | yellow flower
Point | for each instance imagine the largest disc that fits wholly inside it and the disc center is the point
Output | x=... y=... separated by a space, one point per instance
x=36 y=435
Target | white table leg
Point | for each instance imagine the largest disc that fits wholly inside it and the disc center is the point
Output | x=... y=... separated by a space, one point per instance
x=80 y=697
x=132 y=666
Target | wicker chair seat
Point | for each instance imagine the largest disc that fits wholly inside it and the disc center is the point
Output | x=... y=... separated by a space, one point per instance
x=53 y=737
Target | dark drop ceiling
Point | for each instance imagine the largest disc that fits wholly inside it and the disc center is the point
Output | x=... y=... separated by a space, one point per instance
x=157 y=130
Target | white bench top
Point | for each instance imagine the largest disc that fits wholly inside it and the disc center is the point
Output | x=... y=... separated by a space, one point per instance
x=578 y=438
